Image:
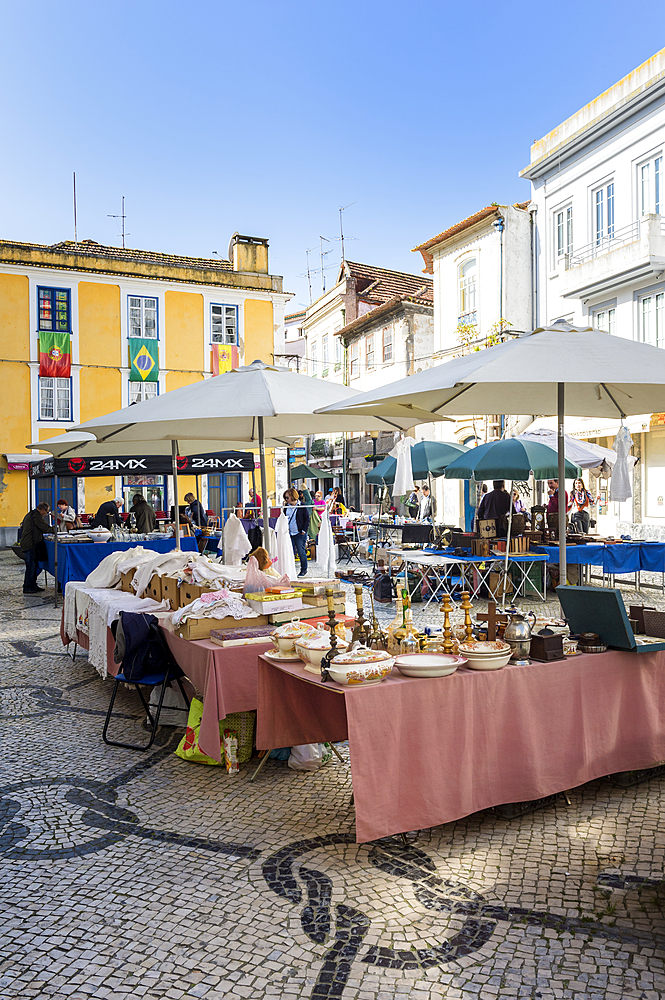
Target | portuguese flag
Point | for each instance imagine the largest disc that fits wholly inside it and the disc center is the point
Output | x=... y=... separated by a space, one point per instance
x=55 y=354
x=143 y=360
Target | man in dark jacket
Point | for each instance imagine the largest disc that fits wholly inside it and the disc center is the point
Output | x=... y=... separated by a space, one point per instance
x=108 y=514
x=144 y=514
x=195 y=512
x=496 y=503
x=33 y=529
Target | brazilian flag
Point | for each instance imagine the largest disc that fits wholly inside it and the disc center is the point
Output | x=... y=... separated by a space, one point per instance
x=143 y=360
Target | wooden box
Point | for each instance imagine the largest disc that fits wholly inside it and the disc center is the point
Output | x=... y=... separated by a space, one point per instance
x=497 y=584
x=126 y=581
x=487 y=528
x=481 y=546
x=154 y=590
x=546 y=647
x=199 y=628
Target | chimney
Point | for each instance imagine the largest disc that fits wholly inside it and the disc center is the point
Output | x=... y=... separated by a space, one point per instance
x=249 y=254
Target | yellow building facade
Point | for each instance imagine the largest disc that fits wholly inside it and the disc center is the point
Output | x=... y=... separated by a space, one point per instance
x=181 y=306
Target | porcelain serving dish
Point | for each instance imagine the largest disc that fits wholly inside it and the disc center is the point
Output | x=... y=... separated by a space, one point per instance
x=312 y=649
x=428 y=664
x=361 y=666
x=284 y=637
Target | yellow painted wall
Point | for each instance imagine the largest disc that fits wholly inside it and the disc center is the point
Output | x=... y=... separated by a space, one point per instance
x=183 y=327
x=258 y=338
x=175 y=379
x=15 y=426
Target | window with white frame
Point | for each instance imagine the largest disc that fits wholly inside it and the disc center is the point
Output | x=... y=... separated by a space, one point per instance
x=652 y=319
x=142 y=317
x=605 y=319
x=314 y=357
x=563 y=227
x=387 y=343
x=650 y=186
x=325 y=350
x=339 y=350
x=55 y=398
x=223 y=324
x=467 y=290
x=369 y=350
x=603 y=205
x=354 y=359
x=138 y=391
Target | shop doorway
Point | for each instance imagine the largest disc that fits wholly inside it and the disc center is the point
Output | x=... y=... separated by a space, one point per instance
x=224 y=493
x=152 y=488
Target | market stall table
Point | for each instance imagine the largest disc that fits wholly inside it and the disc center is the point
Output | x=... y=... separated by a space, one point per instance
x=447 y=573
x=77 y=559
x=227 y=677
x=427 y=751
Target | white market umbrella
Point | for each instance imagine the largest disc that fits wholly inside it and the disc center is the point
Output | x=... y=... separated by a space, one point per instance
x=582 y=453
x=248 y=404
x=560 y=369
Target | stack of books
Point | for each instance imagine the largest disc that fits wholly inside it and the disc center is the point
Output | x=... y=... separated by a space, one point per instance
x=270 y=603
x=247 y=636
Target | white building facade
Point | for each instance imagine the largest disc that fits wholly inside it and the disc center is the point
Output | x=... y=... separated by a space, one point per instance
x=598 y=191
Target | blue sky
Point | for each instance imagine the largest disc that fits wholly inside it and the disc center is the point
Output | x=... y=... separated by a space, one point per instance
x=267 y=117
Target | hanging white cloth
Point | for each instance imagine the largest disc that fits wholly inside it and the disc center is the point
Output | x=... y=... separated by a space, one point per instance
x=325 y=550
x=236 y=542
x=286 y=560
x=404 y=472
x=620 y=487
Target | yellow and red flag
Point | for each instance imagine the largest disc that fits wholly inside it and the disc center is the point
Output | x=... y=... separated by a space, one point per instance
x=224 y=358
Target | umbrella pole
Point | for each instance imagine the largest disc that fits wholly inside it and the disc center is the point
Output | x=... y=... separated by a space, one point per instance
x=505 y=565
x=55 y=543
x=561 y=390
x=264 y=488
x=176 y=508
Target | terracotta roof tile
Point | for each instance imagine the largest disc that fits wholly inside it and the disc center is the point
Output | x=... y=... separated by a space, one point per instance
x=459 y=227
x=379 y=284
x=93 y=249
x=383 y=310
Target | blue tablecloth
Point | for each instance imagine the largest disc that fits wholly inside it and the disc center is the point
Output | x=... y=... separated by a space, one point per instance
x=77 y=559
x=586 y=555
x=652 y=557
x=621 y=558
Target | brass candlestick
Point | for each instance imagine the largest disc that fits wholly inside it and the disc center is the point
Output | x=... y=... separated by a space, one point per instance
x=332 y=652
x=467 y=608
x=361 y=628
x=447 y=631
x=377 y=638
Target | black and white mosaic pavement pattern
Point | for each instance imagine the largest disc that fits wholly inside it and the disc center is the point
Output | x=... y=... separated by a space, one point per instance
x=138 y=875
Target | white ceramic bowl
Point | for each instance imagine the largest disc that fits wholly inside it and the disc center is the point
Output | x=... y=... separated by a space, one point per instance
x=483 y=647
x=479 y=662
x=428 y=664
x=313 y=650
x=99 y=536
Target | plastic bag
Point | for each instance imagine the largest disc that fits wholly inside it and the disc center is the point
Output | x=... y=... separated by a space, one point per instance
x=241 y=723
x=309 y=757
x=174 y=707
x=257 y=581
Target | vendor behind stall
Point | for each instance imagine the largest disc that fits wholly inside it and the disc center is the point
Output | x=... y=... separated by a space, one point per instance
x=195 y=512
x=553 y=493
x=496 y=503
x=65 y=516
x=145 y=515
x=108 y=514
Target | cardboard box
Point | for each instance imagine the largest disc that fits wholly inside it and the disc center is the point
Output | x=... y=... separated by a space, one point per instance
x=171 y=592
x=154 y=590
x=305 y=614
x=317 y=601
x=126 y=581
x=199 y=628
x=497 y=584
x=274 y=607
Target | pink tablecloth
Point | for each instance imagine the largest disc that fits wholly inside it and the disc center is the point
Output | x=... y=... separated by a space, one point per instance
x=430 y=751
x=226 y=677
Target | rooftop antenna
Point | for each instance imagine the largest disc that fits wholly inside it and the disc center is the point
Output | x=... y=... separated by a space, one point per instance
x=341 y=228
x=309 y=273
x=323 y=239
x=75 y=228
x=123 y=217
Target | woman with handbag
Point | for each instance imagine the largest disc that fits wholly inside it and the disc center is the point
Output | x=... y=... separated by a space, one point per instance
x=578 y=507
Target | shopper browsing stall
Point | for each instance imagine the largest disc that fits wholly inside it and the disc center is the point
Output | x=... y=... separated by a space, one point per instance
x=33 y=528
x=298 y=518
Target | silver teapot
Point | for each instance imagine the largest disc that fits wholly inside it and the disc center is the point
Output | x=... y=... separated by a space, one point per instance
x=518 y=635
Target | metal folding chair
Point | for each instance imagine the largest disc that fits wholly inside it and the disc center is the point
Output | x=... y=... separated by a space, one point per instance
x=151 y=681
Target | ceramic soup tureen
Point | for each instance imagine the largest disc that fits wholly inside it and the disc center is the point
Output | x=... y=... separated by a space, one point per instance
x=361 y=666
x=313 y=647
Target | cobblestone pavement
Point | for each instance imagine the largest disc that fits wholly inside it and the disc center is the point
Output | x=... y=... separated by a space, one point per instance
x=139 y=875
